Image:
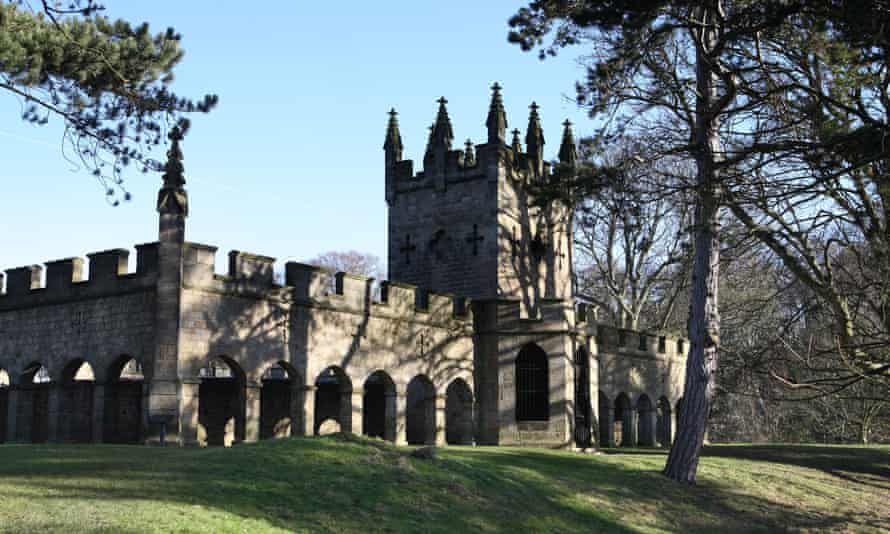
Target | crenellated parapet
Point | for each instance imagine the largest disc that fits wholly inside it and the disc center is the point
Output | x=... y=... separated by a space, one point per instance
x=624 y=341
x=252 y=275
x=64 y=279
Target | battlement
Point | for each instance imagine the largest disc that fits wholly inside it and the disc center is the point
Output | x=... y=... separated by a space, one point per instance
x=321 y=286
x=252 y=274
x=64 y=278
x=614 y=339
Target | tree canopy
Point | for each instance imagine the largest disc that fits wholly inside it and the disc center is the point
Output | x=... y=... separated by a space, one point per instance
x=107 y=80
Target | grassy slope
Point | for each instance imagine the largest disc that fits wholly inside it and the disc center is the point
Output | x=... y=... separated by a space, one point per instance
x=360 y=485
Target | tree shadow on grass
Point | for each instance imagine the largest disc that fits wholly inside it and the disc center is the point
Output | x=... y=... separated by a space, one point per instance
x=353 y=484
x=861 y=465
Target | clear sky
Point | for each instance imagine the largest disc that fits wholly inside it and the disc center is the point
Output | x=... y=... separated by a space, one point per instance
x=290 y=164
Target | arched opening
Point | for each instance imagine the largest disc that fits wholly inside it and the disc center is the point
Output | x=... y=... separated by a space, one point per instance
x=645 y=422
x=677 y=418
x=333 y=401
x=75 y=422
x=4 y=403
x=532 y=384
x=606 y=421
x=421 y=411
x=459 y=413
x=221 y=403
x=32 y=422
x=379 y=407
x=276 y=401
x=123 y=402
x=664 y=423
x=583 y=410
x=624 y=422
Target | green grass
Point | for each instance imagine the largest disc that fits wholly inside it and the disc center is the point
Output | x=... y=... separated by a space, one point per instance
x=357 y=485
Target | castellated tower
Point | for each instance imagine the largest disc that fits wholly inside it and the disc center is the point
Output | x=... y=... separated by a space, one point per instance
x=467 y=223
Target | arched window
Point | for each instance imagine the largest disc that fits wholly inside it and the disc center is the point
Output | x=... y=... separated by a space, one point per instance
x=532 y=385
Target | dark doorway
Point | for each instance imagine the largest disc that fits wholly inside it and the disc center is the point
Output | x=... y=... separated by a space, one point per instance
x=221 y=403
x=333 y=401
x=606 y=421
x=624 y=430
x=421 y=411
x=4 y=403
x=664 y=422
x=33 y=404
x=459 y=413
x=583 y=409
x=75 y=422
x=379 y=407
x=123 y=402
x=532 y=385
x=275 y=403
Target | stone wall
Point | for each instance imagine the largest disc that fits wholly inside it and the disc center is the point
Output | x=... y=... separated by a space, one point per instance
x=102 y=320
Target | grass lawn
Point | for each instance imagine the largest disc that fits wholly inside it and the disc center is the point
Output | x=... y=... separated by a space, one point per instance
x=357 y=485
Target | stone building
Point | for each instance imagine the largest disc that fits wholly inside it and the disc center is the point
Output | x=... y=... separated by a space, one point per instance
x=477 y=339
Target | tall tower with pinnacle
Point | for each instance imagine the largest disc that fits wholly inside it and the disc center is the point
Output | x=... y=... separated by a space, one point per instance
x=467 y=223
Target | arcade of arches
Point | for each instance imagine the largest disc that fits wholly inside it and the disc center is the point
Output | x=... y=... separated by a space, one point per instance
x=414 y=413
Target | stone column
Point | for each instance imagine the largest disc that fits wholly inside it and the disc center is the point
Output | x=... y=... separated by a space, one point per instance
x=12 y=412
x=357 y=400
x=390 y=416
x=307 y=411
x=52 y=413
x=252 y=409
x=440 y=420
x=188 y=413
x=401 y=415
x=98 y=412
x=296 y=409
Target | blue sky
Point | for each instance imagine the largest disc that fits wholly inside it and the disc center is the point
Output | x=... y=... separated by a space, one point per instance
x=290 y=164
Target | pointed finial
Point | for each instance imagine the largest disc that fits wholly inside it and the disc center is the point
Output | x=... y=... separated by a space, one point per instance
x=469 y=154
x=174 y=176
x=534 y=140
x=442 y=134
x=497 y=117
x=429 y=140
x=516 y=145
x=568 y=153
x=393 y=143
x=172 y=198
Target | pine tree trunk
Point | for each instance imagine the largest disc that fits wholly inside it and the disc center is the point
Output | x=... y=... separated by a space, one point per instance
x=704 y=319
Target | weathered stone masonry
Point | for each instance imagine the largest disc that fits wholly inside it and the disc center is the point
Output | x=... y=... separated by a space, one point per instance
x=177 y=352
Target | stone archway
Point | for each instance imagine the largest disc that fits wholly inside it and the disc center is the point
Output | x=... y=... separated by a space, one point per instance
x=624 y=428
x=123 y=402
x=379 y=406
x=459 y=413
x=32 y=411
x=333 y=401
x=76 y=393
x=221 y=403
x=276 y=402
x=421 y=411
